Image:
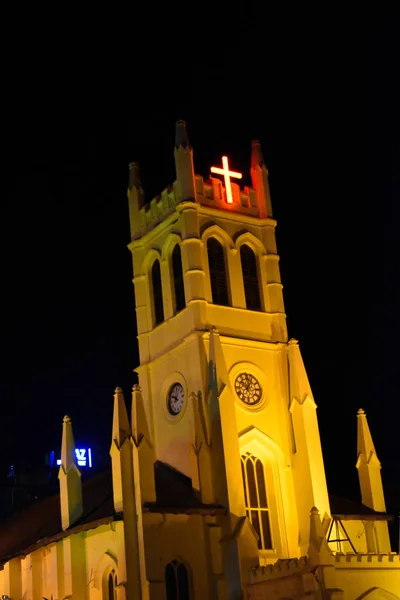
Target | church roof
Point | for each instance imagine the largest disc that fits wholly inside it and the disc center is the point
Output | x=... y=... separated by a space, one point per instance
x=174 y=494
x=40 y=522
x=345 y=509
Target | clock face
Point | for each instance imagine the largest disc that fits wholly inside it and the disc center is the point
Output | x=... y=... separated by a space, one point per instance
x=248 y=388
x=176 y=399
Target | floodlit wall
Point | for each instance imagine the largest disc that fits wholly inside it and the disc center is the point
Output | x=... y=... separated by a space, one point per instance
x=77 y=565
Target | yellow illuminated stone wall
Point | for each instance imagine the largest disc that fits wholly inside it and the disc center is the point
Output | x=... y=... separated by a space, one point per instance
x=206 y=348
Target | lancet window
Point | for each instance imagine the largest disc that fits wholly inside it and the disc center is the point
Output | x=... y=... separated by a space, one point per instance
x=256 y=502
x=177 y=273
x=112 y=586
x=217 y=267
x=250 y=278
x=157 y=293
x=177 y=581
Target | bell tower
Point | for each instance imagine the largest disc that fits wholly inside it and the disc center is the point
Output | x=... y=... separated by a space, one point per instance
x=225 y=393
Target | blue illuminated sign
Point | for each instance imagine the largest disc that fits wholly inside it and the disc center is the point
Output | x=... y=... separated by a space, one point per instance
x=83 y=457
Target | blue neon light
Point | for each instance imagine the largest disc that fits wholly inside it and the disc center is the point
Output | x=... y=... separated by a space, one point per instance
x=83 y=457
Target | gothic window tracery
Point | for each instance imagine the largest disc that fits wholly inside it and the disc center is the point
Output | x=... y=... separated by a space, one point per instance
x=218 y=275
x=256 y=499
x=157 y=293
x=177 y=274
x=177 y=581
x=250 y=278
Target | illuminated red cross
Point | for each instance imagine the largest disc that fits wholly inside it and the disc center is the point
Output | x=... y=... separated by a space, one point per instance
x=227 y=175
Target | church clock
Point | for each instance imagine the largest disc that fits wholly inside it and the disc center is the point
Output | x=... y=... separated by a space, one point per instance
x=176 y=399
x=248 y=388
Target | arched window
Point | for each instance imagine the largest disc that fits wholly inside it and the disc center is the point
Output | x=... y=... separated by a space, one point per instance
x=177 y=273
x=256 y=499
x=112 y=586
x=250 y=278
x=157 y=293
x=216 y=263
x=177 y=581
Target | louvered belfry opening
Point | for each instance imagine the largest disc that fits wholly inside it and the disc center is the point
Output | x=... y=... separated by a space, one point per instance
x=157 y=293
x=177 y=273
x=217 y=267
x=250 y=278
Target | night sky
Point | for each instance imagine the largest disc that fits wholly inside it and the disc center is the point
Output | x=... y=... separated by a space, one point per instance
x=324 y=102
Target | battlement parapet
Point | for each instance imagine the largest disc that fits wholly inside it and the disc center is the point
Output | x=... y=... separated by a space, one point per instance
x=351 y=559
x=157 y=210
x=210 y=193
x=281 y=568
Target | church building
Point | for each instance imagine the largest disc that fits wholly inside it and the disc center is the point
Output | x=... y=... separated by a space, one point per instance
x=217 y=487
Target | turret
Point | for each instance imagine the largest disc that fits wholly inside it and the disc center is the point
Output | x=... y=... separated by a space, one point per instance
x=222 y=424
x=308 y=465
x=143 y=458
x=70 y=479
x=183 y=154
x=238 y=541
x=142 y=448
x=259 y=177
x=368 y=466
x=369 y=474
x=321 y=559
x=135 y=199
x=120 y=449
x=124 y=496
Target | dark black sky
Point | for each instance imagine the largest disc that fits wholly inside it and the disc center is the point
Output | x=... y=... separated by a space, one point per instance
x=321 y=94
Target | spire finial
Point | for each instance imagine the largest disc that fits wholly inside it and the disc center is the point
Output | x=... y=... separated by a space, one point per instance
x=318 y=550
x=181 y=136
x=259 y=177
x=185 y=180
x=134 y=176
x=70 y=478
x=120 y=429
x=371 y=486
x=365 y=444
x=257 y=158
x=135 y=199
x=142 y=448
x=67 y=444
